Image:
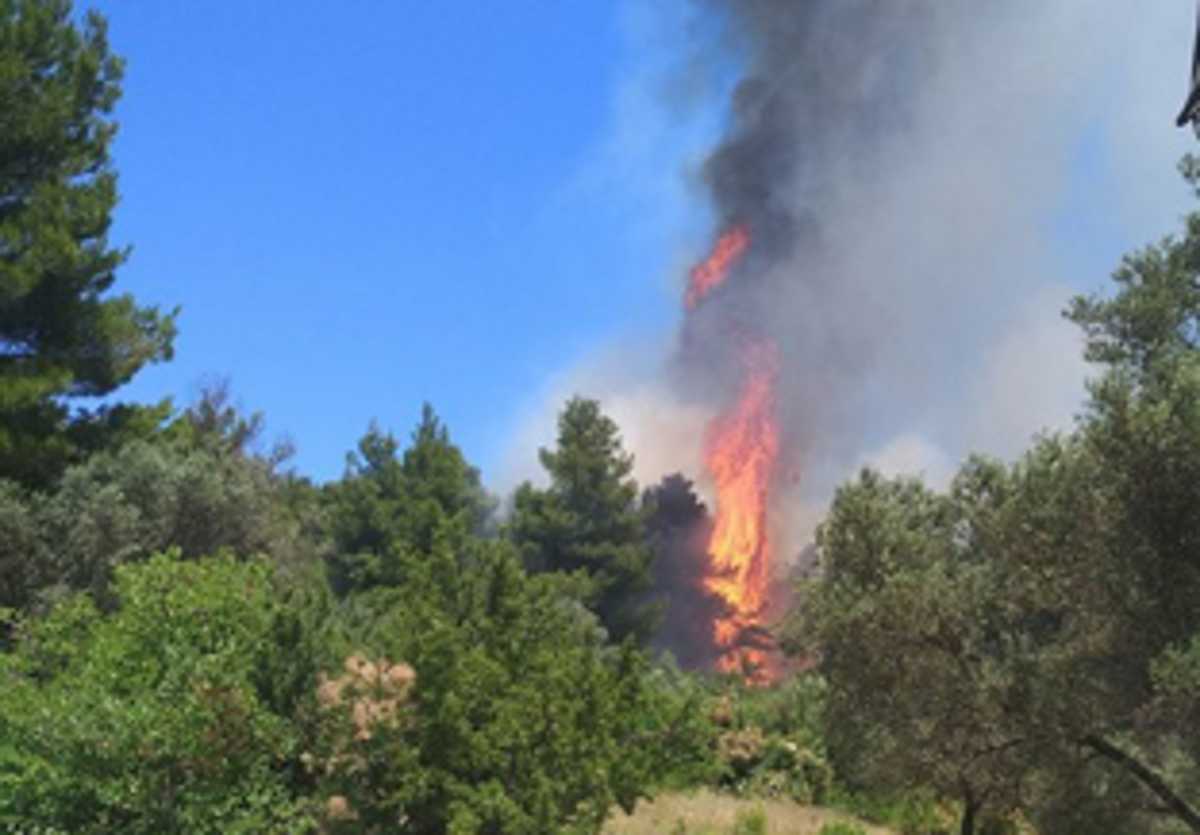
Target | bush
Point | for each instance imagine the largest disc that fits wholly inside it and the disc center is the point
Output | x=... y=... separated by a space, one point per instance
x=363 y=760
x=911 y=813
x=124 y=506
x=750 y=822
x=841 y=828
x=771 y=744
x=521 y=719
x=148 y=719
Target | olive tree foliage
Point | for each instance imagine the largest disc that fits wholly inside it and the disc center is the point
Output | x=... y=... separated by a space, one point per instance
x=912 y=647
x=1031 y=635
x=197 y=487
x=123 y=506
x=161 y=716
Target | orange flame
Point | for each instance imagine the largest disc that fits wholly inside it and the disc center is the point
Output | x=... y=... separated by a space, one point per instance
x=713 y=270
x=741 y=451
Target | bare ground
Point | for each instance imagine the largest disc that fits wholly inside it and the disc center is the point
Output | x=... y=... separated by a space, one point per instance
x=707 y=813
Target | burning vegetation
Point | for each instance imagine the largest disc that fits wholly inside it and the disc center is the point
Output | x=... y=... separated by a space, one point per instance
x=740 y=455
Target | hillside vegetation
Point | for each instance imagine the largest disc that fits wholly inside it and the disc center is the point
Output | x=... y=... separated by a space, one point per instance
x=194 y=638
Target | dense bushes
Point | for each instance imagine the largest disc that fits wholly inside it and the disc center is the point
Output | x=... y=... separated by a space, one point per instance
x=148 y=720
x=521 y=718
x=218 y=694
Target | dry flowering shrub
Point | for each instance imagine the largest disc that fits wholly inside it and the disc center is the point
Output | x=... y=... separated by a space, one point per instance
x=374 y=693
x=722 y=714
x=741 y=749
x=337 y=808
x=364 y=708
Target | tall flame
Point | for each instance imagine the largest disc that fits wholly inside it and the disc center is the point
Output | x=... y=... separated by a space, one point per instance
x=713 y=270
x=741 y=449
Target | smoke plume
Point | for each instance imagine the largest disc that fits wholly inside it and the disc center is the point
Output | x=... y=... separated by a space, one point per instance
x=925 y=184
x=899 y=163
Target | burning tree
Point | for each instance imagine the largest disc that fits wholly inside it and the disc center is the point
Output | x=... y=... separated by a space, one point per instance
x=740 y=454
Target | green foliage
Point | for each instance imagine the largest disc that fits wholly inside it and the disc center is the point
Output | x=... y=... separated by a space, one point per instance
x=917 y=652
x=22 y=549
x=681 y=702
x=388 y=508
x=768 y=744
x=122 y=506
x=60 y=335
x=1028 y=638
x=793 y=707
x=910 y=813
x=521 y=719
x=750 y=822
x=841 y=828
x=149 y=719
x=588 y=520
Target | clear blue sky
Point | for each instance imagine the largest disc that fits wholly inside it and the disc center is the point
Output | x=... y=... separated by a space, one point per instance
x=361 y=206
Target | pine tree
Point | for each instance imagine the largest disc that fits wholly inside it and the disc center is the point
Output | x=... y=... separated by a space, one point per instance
x=589 y=520
x=391 y=504
x=61 y=334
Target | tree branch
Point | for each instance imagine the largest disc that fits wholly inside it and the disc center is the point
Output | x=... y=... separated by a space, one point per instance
x=1176 y=804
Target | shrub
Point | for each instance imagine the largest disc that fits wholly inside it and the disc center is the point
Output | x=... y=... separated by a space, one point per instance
x=147 y=719
x=521 y=719
x=362 y=758
x=123 y=506
x=841 y=828
x=911 y=813
x=750 y=822
x=769 y=744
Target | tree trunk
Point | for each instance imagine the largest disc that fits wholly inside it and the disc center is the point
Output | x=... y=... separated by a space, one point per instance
x=1179 y=807
x=970 y=813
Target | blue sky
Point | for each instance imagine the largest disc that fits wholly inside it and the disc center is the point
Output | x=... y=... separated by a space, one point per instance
x=362 y=206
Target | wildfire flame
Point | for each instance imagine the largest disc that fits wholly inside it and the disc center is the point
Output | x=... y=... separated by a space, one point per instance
x=713 y=270
x=741 y=449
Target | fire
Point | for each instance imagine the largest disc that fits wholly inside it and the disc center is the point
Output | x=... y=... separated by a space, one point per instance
x=741 y=449
x=712 y=271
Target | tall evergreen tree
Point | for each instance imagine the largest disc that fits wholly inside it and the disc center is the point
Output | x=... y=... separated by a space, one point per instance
x=589 y=520
x=390 y=504
x=678 y=528
x=61 y=334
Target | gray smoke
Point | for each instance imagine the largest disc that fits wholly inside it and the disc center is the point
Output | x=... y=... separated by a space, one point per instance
x=829 y=86
x=897 y=163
